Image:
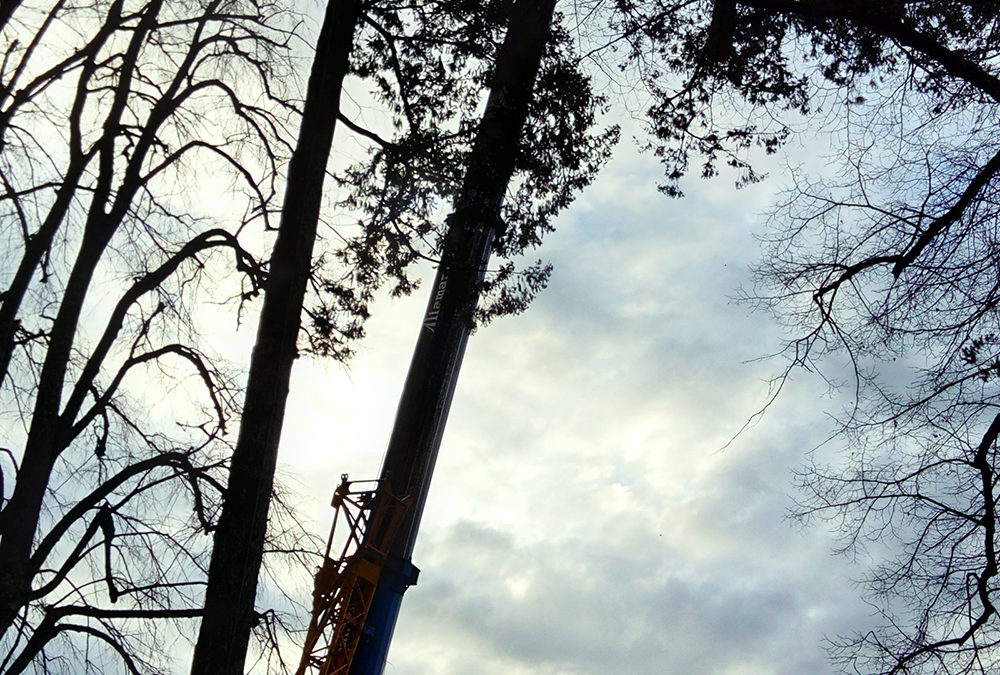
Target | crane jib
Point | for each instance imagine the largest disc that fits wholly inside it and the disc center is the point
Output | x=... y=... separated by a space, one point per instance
x=430 y=382
x=423 y=410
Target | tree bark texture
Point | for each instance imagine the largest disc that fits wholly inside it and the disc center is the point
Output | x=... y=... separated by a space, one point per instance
x=239 y=539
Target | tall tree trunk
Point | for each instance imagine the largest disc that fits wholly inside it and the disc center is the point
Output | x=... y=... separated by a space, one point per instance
x=239 y=539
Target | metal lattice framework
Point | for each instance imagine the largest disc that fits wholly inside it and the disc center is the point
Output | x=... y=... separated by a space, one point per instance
x=344 y=585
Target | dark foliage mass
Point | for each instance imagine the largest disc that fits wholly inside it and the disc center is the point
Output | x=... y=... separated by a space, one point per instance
x=120 y=123
x=890 y=263
x=433 y=77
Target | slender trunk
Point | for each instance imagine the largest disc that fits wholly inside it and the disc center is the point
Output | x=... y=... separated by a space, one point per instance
x=239 y=538
x=20 y=516
x=34 y=251
x=41 y=241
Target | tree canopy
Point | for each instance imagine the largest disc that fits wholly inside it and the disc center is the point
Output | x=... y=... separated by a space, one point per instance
x=890 y=263
x=114 y=115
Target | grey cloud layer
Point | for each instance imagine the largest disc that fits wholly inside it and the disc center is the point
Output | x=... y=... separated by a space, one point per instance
x=583 y=517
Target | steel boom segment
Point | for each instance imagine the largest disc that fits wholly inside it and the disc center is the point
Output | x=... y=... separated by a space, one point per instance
x=433 y=374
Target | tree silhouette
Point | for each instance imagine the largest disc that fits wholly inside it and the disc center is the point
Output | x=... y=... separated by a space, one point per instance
x=109 y=113
x=427 y=65
x=891 y=264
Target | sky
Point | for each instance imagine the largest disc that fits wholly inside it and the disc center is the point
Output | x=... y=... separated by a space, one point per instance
x=591 y=511
x=587 y=515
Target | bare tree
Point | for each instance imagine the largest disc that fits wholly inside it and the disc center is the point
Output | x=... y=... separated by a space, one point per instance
x=892 y=266
x=111 y=113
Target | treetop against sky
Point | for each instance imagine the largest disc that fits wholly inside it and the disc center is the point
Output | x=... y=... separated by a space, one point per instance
x=584 y=517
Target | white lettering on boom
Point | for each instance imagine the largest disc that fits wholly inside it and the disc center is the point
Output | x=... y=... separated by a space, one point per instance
x=430 y=321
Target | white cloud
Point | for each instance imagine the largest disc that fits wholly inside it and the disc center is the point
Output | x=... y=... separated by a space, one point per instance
x=583 y=516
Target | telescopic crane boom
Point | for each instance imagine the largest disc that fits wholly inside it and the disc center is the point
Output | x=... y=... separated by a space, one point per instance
x=366 y=584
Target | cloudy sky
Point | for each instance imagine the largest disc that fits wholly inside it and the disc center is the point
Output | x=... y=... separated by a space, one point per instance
x=588 y=514
x=584 y=516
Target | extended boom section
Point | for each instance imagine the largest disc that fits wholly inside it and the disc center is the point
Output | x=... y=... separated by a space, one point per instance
x=430 y=383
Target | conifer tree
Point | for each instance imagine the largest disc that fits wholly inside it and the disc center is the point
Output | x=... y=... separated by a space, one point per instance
x=427 y=64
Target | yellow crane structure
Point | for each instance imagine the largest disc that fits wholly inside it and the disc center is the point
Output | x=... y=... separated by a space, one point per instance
x=368 y=518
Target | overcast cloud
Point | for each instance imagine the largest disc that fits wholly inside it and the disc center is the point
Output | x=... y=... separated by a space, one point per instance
x=584 y=517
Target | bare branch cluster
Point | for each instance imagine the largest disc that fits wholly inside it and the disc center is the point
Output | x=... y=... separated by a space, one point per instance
x=891 y=264
x=141 y=145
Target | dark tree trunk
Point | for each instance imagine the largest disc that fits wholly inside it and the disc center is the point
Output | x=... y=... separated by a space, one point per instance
x=35 y=249
x=239 y=539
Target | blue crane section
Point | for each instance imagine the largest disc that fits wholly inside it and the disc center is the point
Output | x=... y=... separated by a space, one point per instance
x=358 y=594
